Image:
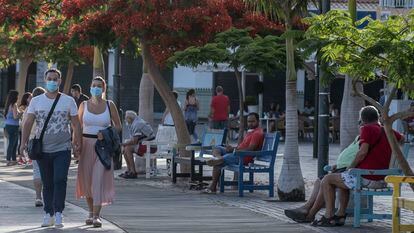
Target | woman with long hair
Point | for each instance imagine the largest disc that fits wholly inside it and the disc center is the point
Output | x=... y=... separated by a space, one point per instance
x=191 y=107
x=94 y=182
x=24 y=103
x=11 y=129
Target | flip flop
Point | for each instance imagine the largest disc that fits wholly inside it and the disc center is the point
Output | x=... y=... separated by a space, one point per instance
x=208 y=191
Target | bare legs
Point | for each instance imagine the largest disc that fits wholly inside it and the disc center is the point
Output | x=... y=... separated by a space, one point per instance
x=323 y=194
x=129 y=158
x=38 y=188
x=216 y=169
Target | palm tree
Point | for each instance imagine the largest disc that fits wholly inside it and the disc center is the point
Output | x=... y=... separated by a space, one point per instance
x=291 y=185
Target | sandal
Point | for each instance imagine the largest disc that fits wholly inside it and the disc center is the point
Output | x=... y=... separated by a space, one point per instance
x=296 y=215
x=324 y=222
x=208 y=191
x=130 y=176
x=340 y=220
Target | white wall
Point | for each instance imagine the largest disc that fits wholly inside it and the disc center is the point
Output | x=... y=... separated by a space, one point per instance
x=185 y=77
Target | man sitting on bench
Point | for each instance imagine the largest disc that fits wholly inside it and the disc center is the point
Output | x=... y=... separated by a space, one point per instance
x=252 y=141
x=139 y=130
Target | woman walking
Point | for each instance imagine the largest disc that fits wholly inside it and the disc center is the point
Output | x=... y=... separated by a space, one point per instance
x=12 y=114
x=24 y=103
x=191 y=107
x=37 y=180
x=94 y=182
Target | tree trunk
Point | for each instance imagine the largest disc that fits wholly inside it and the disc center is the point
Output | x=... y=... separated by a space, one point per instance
x=146 y=96
x=392 y=140
x=98 y=63
x=241 y=105
x=69 y=76
x=291 y=186
x=24 y=64
x=165 y=92
x=350 y=107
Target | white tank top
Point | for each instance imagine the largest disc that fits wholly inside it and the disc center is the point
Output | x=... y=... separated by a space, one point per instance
x=92 y=123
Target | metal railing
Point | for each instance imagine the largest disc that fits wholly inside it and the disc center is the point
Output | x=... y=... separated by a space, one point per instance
x=397 y=3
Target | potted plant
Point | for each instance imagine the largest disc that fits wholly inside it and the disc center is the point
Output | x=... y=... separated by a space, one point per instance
x=251 y=102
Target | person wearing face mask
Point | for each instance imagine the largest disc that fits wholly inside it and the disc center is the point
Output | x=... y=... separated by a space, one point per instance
x=56 y=143
x=94 y=181
x=139 y=130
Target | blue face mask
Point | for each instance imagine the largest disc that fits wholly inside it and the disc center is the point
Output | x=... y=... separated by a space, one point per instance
x=96 y=91
x=52 y=86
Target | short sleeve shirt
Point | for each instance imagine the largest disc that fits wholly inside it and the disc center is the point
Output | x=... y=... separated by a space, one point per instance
x=57 y=136
x=139 y=127
x=379 y=153
x=254 y=137
x=220 y=104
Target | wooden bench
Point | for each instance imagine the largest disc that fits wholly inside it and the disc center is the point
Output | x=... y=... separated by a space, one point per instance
x=210 y=139
x=165 y=141
x=399 y=203
x=264 y=162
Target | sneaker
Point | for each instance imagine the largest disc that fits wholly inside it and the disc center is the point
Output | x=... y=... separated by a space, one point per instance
x=97 y=222
x=21 y=162
x=38 y=203
x=48 y=221
x=58 y=220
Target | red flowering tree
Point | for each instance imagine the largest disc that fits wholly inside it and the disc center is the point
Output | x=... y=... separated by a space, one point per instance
x=161 y=28
x=36 y=30
x=22 y=35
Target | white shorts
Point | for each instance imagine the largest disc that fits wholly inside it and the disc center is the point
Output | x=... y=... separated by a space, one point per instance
x=36 y=170
x=350 y=182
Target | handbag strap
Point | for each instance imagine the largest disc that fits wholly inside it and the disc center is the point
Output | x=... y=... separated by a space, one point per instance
x=49 y=116
x=110 y=114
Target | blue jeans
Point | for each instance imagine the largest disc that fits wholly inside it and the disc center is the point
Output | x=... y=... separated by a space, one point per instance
x=13 y=138
x=54 y=173
x=229 y=158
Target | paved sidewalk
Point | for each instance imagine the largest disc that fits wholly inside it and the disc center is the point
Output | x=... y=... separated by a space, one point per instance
x=18 y=214
x=156 y=205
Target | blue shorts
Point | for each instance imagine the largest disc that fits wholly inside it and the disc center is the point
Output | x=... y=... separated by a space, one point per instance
x=229 y=158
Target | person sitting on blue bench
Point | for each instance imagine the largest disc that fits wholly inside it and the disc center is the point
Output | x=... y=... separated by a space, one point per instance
x=223 y=156
x=374 y=154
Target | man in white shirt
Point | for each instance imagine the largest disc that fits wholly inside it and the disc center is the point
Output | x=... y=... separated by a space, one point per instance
x=55 y=160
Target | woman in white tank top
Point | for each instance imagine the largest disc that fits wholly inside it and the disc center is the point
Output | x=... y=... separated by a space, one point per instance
x=94 y=182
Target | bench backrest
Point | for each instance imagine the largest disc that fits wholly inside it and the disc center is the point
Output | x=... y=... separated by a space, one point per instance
x=270 y=143
x=214 y=137
x=166 y=135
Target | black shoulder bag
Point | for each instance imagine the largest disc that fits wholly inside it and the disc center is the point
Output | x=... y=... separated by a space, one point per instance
x=35 y=145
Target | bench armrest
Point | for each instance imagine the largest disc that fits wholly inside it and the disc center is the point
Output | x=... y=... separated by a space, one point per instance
x=383 y=172
x=399 y=179
x=252 y=153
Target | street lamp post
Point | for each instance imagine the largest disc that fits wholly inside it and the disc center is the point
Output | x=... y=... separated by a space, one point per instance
x=117 y=96
x=323 y=113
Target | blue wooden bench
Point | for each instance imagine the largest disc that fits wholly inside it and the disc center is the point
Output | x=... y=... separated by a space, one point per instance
x=359 y=193
x=211 y=138
x=264 y=162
